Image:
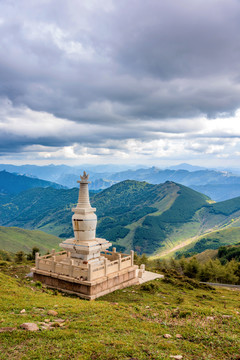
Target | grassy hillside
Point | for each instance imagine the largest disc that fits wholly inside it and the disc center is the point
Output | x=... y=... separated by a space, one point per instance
x=131 y=214
x=142 y=216
x=14 y=183
x=135 y=215
x=174 y=219
x=127 y=324
x=214 y=240
x=227 y=207
x=125 y=206
x=224 y=253
x=46 y=209
x=204 y=256
x=15 y=239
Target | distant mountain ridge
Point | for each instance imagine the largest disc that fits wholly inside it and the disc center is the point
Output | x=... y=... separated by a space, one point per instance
x=219 y=192
x=219 y=185
x=155 y=175
x=11 y=183
x=185 y=166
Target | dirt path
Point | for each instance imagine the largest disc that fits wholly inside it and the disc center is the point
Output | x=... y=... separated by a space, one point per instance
x=230 y=286
x=177 y=247
x=182 y=245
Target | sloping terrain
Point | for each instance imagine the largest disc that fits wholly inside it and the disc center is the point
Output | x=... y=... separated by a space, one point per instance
x=131 y=214
x=148 y=218
x=223 y=253
x=213 y=240
x=126 y=324
x=206 y=255
x=46 y=209
x=14 y=239
x=13 y=184
x=220 y=224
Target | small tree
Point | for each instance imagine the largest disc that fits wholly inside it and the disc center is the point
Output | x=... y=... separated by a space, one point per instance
x=33 y=253
x=231 y=269
x=19 y=257
x=144 y=259
x=192 y=268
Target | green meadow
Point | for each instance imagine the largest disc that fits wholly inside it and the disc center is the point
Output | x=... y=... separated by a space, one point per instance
x=203 y=323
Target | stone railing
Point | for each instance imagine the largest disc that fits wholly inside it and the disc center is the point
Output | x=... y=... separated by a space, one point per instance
x=119 y=262
x=62 y=264
x=51 y=263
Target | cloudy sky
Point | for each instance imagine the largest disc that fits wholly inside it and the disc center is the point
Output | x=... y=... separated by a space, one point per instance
x=99 y=81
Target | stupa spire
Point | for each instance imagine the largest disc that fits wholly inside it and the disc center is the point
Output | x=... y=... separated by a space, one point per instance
x=83 y=197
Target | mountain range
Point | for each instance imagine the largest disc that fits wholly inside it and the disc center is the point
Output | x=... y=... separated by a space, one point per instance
x=149 y=218
x=218 y=185
x=11 y=183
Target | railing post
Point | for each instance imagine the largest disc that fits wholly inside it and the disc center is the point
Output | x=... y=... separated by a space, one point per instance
x=53 y=251
x=132 y=257
x=119 y=261
x=71 y=268
x=89 y=272
x=37 y=260
x=113 y=249
x=53 y=264
x=105 y=267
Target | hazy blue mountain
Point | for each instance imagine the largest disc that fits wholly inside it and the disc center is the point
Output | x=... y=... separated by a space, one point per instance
x=70 y=181
x=219 y=192
x=48 y=172
x=66 y=175
x=185 y=166
x=63 y=174
x=11 y=183
x=110 y=168
x=219 y=185
x=155 y=175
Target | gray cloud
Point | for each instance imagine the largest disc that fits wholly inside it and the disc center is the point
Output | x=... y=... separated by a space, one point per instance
x=129 y=69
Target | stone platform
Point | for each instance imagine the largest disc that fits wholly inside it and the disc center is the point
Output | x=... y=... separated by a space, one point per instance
x=111 y=272
x=148 y=276
x=89 y=290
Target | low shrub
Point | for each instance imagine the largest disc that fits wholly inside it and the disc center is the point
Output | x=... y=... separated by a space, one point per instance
x=184 y=314
x=151 y=287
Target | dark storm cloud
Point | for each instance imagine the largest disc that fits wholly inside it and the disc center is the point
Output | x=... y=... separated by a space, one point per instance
x=179 y=39
x=124 y=65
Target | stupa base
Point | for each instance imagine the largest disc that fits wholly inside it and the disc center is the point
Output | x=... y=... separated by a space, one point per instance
x=89 y=290
x=86 y=250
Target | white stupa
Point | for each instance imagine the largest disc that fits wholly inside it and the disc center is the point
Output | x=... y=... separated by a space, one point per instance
x=85 y=267
x=85 y=245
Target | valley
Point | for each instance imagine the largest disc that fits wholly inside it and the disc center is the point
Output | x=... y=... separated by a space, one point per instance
x=158 y=220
